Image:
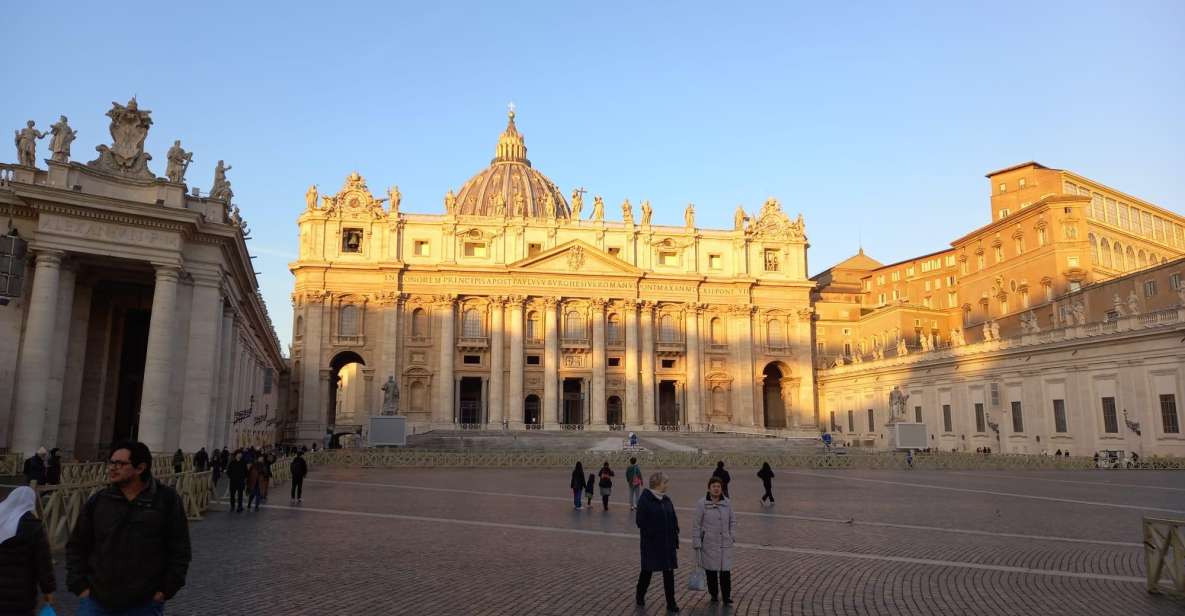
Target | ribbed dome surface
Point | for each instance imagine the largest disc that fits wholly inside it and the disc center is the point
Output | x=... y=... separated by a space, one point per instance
x=510 y=186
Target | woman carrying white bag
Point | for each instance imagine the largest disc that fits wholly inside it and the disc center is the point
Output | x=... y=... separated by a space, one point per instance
x=713 y=533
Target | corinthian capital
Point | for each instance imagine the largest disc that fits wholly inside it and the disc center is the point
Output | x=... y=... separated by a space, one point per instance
x=551 y=302
x=598 y=303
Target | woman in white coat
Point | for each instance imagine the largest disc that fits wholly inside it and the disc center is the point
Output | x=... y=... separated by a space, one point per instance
x=713 y=533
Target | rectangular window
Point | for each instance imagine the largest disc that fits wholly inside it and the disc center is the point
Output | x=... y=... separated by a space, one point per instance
x=999 y=250
x=1110 y=421
x=267 y=380
x=946 y=423
x=1111 y=212
x=909 y=271
x=1096 y=207
x=979 y=262
x=1150 y=288
x=1168 y=414
x=871 y=421
x=668 y=363
x=1059 y=416
x=952 y=300
x=1146 y=223
x=917 y=414
x=1124 y=216
x=1041 y=236
x=420 y=248
x=668 y=258
x=980 y=419
x=1159 y=226
x=615 y=251
x=1175 y=282
x=820 y=348
x=475 y=249
x=534 y=249
x=833 y=424
x=715 y=262
x=1018 y=418
x=1072 y=260
x=471 y=360
x=532 y=360
x=927 y=285
x=614 y=362
x=851 y=421
x=895 y=276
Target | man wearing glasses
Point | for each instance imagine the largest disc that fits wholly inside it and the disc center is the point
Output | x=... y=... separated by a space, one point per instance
x=129 y=551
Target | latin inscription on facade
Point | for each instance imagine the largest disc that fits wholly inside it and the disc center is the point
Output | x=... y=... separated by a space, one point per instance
x=107 y=232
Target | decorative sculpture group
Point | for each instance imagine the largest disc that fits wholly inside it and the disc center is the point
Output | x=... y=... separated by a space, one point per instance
x=126 y=155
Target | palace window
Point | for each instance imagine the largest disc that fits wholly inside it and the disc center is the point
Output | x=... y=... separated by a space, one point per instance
x=917 y=414
x=613 y=332
x=668 y=330
x=952 y=300
x=1072 y=260
x=419 y=322
x=348 y=321
x=471 y=360
x=851 y=421
x=532 y=360
x=1124 y=216
x=715 y=261
x=668 y=363
x=614 y=362
x=716 y=327
x=1059 y=416
x=1150 y=288
x=420 y=248
x=999 y=250
x=615 y=251
x=574 y=326
x=1070 y=232
x=775 y=335
x=1168 y=414
x=1175 y=282
x=667 y=257
x=871 y=420
x=1020 y=183
x=980 y=418
x=946 y=419
x=1004 y=213
x=1003 y=187
x=351 y=240
x=475 y=249
x=980 y=262
x=1110 y=420
x=771 y=260
x=534 y=331
x=1041 y=236
x=895 y=276
x=471 y=326
x=1018 y=418
x=909 y=271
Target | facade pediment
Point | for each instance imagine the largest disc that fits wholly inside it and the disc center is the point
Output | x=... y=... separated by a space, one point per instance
x=575 y=256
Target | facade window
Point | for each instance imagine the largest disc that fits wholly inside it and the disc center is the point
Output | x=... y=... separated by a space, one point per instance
x=1094 y=248
x=1096 y=207
x=820 y=348
x=420 y=248
x=534 y=248
x=1004 y=213
x=1150 y=288
x=668 y=330
x=471 y=360
x=1175 y=282
x=614 y=329
x=946 y=419
x=1110 y=420
x=871 y=421
x=615 y=251
x=1041 y=236
x=668 y=258
x=534 y=331
x=716 y=329
x=952 y=299
x=964 y=268
x=1018 y=418
x=471 y=324
x=917 y=414
x=475 y=249
x=927 y=285
x=851 y=421
x=880 y=279
x=614 y=362
x=1070 y=232
x=532 y=360
x=1020 y=245
x=573 y=326
x=1003 y=187
x=1059 y=416
x=926 y=302
x=267 y=380
x=351 y=240
x=771 y=260
x=881 y=299
x=668 y=363
x=348 y=321
x=1124 y=216
x=909 y=271
x=1020 y=183
x=1146 y=223
x=834 y=425
x=1075 y=285
x=715 y=261
x=980 y=418
x=774 y=333
x=419 y=322
x=1168 y=414
x=980 y=262
x=895 y=276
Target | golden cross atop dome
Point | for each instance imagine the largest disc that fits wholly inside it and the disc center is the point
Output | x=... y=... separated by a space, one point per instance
x=510 y=109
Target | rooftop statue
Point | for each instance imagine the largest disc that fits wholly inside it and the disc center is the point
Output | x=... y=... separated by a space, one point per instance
x=221 y=188
x=627 y=211
x=126 y=155
x=179 y=161
x=598 y=213
x=450 y=203
x=310 y=197
x=26 y=144
x=549 y=206
x=394 y=197
x=689 y=216
x=577 y=202
x=738 y=219
x=63 y=136
x=647 y=213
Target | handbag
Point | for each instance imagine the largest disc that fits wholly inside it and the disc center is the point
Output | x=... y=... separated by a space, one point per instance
x=698 y=580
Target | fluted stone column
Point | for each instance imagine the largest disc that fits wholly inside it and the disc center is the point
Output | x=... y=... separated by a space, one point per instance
x=221 y=419
x=497 y=399
x=61 y=345
x=633 y=415
x=514 y=401
x=694 y=380
x=647 y=377
x=444 y=401
x=743 y=411
x=198 y=402
x=33 y=369
x=551 y=363
x=158 y=362
x=598 y=363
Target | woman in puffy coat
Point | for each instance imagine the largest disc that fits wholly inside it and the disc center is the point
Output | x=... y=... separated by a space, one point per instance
x=25 y=563
x=713 y=534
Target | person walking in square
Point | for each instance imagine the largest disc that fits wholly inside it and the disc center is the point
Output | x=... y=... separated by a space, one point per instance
x=633 y=477
x=767 y=479
x=129 y=552
x=298 y=468
x=236 y=475
x=725 y=478
x=606 y=485
x=201 y=460
x=713 y=534
x=577 y=485
x=25 y=563
x=254 y=475
x=658 y=529
x=178 y=461
x=590 y=487
x=34 y=469
x=265 y=476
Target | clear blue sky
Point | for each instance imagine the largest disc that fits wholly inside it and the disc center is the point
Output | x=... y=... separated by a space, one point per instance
x=875 y=120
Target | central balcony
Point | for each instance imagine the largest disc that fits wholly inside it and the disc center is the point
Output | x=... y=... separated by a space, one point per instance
x=670 y=347
x=575 y=344
x=473 y=343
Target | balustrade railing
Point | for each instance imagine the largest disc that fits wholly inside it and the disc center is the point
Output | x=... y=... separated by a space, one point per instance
x=1164 y=555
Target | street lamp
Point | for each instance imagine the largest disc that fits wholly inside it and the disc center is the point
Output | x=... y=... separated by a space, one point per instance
x=13 y=250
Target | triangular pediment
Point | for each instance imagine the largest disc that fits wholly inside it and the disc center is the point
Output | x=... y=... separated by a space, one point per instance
x=575 y=256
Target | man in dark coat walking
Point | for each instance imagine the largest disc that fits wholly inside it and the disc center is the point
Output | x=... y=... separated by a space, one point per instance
x=200 y=460
x=659 y=531
x=298 y=469
x=724 y=477
x=236 y=474
x=35 y=467
x=129 y=552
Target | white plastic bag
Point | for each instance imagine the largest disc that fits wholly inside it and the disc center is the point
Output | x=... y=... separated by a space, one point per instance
x=698 y=580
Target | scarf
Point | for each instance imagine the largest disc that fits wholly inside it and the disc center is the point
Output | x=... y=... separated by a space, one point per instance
x=21 y=501
x=657 y=494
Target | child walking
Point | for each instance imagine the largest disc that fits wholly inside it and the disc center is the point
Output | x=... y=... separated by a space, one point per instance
x=589 y=487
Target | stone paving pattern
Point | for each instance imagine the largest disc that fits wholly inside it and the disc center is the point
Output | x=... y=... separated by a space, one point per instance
x=492 y=541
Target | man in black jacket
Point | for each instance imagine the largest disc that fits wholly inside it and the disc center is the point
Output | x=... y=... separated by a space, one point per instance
x=129 y=551
x=298 y=468
x=35 y=467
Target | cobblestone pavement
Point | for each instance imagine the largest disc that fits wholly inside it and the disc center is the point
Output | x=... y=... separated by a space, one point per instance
x=491 y=541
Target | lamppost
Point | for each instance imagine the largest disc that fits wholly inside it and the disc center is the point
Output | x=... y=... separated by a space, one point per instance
x=13 y=250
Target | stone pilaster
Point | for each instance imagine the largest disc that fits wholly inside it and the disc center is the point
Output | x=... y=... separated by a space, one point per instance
x=33 y=369
x=551 y=363
x=205 y=319
x=497 y=397
x=598 y=362
x=632 y=415
x=694 y=367
x=742 y=345
x=444 y=407
x=158 y=361
x=219 y=427
x=647 y=376
x=514 y=402
x=313 y=413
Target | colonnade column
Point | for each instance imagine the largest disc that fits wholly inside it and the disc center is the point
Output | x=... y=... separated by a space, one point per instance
x=444 y=399
x=61 y=344
x=514 y=401
x=551 y=359
x=598 y=362
x=743 y=411
x=33 y=369
x=225 y=351
x=158 y=362
x=496 y=399
x=694 y=381
x=205 y=318
x=632 y=414
x=647 y=376
x=312 y=409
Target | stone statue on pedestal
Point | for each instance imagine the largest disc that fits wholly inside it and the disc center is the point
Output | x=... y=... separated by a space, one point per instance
x=995 y=330
x=577 y=202
x=450 y=203
x=647 y=213
x=738 y=219
x=689 y=216
x=221 y=188
x=179 y=161
x=310 y=198
x=598 y=213
x=1079 y=310
x=63 y=136
x=394 y=197
x=902 y=350
x=26 y=144
x=627 y=212
x=1133 y=303
x=126 y=155
x=390 y=397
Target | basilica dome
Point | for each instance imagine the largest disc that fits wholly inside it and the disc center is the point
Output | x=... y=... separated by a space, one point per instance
x=510 y=187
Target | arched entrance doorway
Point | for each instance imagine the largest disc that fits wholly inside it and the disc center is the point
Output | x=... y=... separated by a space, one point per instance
x=531 y=410
x=773 y=403
x=347 y=393
x=613 y=411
